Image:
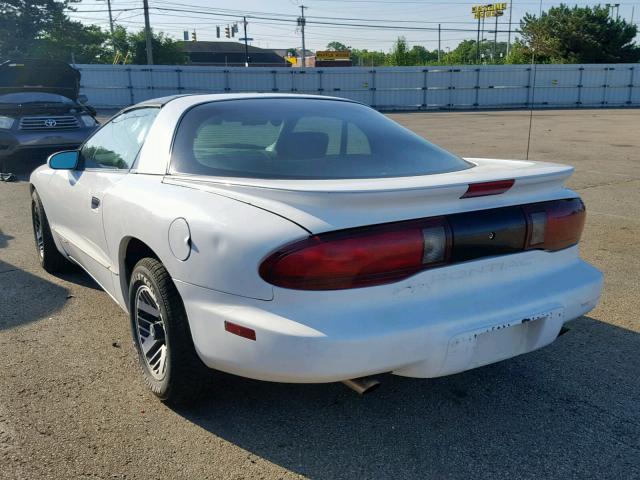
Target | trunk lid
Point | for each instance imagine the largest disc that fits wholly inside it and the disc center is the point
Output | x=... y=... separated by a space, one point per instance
x=325 y=205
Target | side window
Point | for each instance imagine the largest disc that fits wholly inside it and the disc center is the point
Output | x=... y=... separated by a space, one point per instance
x=116 y=145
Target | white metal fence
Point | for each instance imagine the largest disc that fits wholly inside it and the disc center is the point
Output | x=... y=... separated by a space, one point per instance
x=385 y=88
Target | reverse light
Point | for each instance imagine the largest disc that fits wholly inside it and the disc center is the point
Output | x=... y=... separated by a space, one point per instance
x=6 y=122
x=554 y=225
x=359 y=257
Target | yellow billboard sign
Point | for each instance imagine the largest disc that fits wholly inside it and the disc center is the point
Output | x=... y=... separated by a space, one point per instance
x=489 y=10
x=324 y=55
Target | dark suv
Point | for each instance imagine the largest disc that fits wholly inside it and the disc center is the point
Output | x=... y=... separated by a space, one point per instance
x=41 y=112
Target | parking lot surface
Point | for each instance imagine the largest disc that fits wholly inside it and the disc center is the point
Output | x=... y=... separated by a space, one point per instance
x=72 y=404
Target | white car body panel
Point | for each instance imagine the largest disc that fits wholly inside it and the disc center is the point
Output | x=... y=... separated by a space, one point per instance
x=431 y=324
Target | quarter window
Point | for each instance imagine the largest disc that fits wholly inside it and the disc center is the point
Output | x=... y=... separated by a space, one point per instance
x=116 y=145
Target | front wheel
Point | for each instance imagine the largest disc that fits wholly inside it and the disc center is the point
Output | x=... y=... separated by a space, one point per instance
x=168 y=360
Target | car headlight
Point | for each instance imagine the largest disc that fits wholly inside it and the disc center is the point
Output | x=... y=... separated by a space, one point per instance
x=6 y=122
x=88 y=120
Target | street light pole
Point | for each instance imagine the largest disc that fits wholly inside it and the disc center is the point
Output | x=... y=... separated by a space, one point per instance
x=147 y=32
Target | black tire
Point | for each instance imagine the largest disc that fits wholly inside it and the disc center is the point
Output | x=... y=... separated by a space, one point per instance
x=50 y=258
x=183 y=375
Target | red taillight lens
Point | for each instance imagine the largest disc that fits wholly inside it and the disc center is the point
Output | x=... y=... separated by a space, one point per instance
x=484 y=189
x=380 y=254
x=359 y=257
x=554 y=225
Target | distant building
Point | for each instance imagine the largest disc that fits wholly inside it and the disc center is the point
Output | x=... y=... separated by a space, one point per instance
x=231 y=54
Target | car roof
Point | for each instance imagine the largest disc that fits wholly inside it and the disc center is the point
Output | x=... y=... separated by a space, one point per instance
x=189 y=100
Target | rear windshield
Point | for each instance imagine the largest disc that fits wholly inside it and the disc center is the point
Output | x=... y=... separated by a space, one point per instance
x=301 y=139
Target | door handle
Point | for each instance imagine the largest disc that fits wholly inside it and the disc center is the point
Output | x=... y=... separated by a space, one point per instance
x=95 y=202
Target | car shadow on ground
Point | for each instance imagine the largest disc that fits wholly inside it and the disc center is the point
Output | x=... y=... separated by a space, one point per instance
x=569 y=410
x=26 y=298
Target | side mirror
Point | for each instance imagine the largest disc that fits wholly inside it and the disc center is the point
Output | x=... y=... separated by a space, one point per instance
x=67 y=160
x=82 y=98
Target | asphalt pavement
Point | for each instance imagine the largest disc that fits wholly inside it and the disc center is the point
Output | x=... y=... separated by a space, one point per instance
x=73 y=406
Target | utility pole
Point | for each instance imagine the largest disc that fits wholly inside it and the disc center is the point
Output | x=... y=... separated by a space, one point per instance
x=478 y=42
x=495 y=41
x=110 y=18
x=438 y=43
x=482 y=35
x=301 y=23
x=246 y=45
x=147 y=32
x=509 y=34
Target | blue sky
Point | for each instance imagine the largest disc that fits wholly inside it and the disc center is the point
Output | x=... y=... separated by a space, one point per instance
x=274 y=32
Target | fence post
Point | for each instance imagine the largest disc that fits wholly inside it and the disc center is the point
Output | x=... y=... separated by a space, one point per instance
x=579 y=101
x=179 y=80
x=476 y=103
x=451 y=88
x=530 y=87
x=604 y=87
x=372 y=88
x=320 y=87
x=227 y=87
x=130 y=87
x=274 y=74
x=631 y=78
x=425 y=88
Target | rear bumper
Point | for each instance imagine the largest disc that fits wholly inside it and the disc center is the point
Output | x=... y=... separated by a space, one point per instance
x=436 y=323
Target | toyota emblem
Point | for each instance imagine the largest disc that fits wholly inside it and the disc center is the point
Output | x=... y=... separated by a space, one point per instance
x=50 y=123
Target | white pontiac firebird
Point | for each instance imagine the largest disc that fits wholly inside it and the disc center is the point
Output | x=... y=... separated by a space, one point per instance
x=296 y=238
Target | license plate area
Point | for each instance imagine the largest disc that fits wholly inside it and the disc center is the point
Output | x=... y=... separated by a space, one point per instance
x=504 y=340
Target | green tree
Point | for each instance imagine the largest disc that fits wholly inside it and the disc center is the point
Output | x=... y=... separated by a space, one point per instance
x=578 y=35
x=366 y=58
x=66 y=40
x=166 y=51
x=399 y=55
x=419 y=55
x=337 y=46
x=132 y=47
x=22 y=22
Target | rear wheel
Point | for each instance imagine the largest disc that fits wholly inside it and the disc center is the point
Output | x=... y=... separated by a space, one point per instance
x=50 y=258
x=168 y=360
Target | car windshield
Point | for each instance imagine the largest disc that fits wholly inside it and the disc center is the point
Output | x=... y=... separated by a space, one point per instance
x=34 y=97
x=301 y=138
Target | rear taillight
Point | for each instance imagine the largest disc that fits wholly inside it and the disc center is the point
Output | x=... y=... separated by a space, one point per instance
x=554 y=225
x=360 y=257
x=379 y=254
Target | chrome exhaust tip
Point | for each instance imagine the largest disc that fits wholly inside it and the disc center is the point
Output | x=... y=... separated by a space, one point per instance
x=363 y=385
